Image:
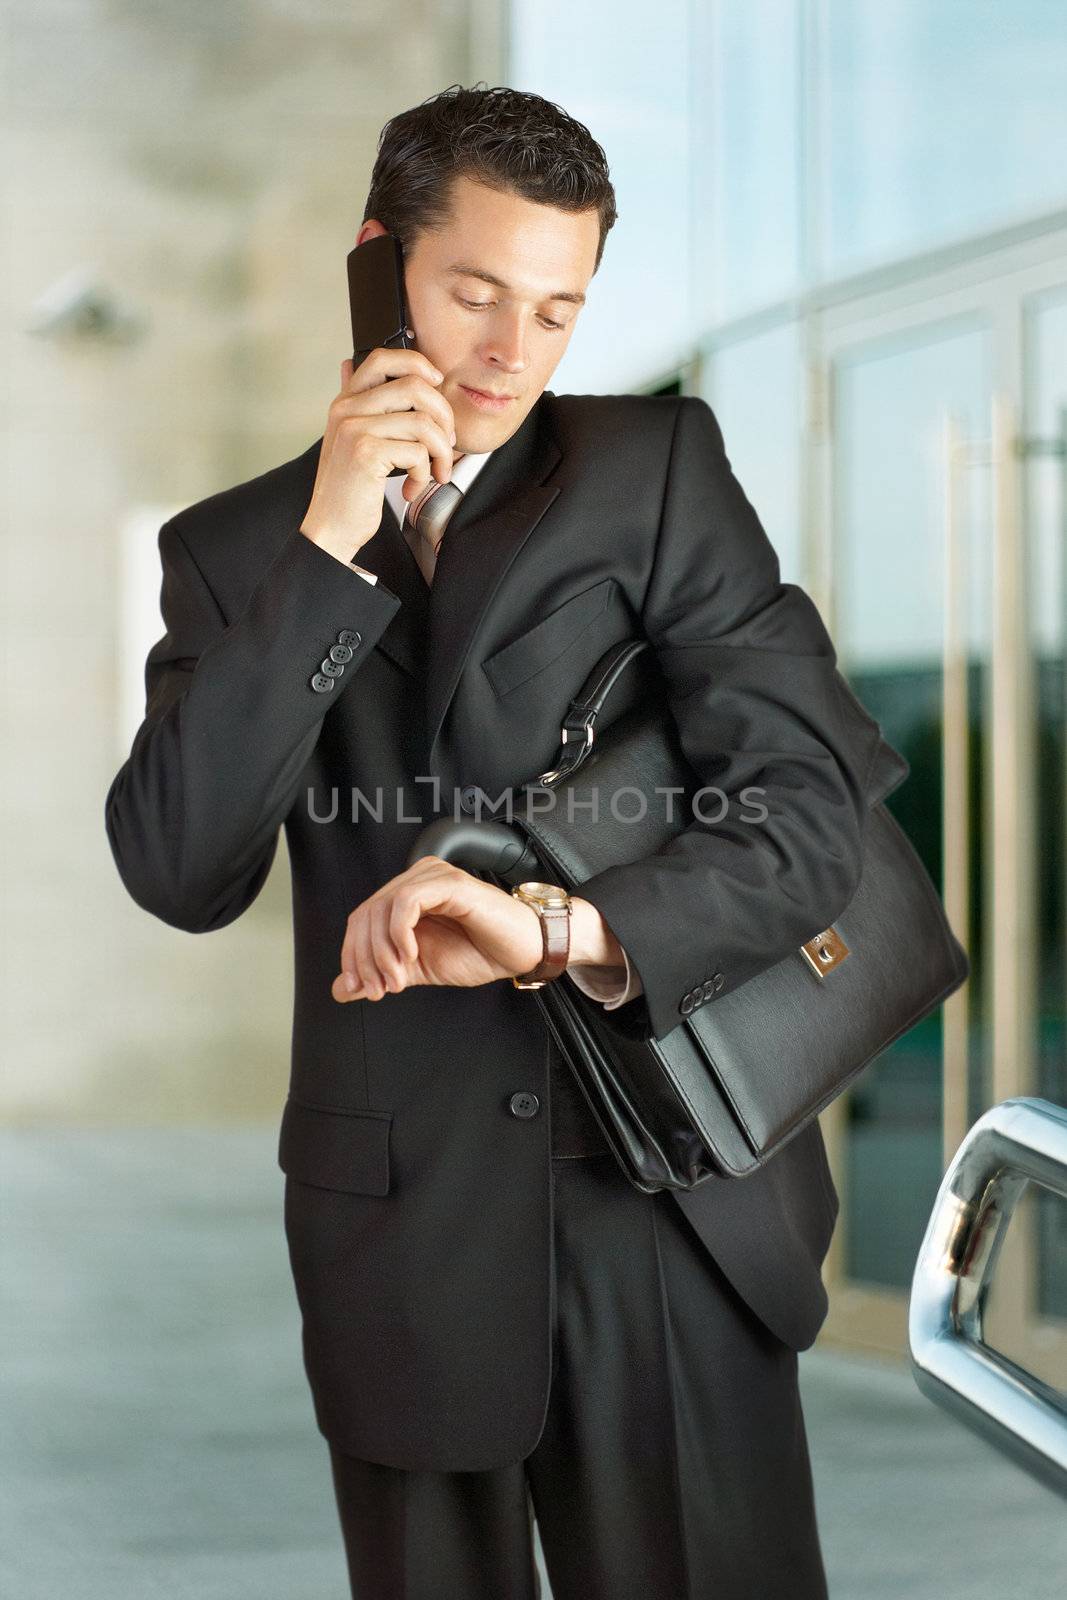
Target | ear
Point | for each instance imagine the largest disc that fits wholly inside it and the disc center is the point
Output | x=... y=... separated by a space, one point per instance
x=371 y=229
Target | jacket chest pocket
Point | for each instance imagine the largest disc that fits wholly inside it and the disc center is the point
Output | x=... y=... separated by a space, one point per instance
x=334 y=1148
x=524 y=657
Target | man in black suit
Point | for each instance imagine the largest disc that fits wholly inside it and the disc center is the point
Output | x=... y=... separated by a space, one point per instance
x=494 y=1321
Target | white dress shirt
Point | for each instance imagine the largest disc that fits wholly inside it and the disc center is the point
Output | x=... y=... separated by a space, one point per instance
x=592 y=980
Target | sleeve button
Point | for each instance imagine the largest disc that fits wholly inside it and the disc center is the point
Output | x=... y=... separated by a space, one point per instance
x=350 y=637
x=321 y=684
x=341 y=653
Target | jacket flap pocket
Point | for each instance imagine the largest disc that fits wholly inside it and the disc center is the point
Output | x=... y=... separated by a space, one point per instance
x=540 y=645
x=334 y=1148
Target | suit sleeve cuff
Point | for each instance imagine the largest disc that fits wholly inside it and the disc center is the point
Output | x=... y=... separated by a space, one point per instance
x=611 y=992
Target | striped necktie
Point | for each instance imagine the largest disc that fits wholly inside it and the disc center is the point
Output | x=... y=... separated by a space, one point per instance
x=426 y=520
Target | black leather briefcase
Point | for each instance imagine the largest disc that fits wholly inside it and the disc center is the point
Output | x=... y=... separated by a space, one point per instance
x=736 y=1079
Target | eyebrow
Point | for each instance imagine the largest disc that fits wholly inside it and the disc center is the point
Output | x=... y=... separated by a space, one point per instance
x=460 y=269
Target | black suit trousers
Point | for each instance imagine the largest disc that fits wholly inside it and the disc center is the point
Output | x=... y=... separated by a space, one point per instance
x=673 y=1463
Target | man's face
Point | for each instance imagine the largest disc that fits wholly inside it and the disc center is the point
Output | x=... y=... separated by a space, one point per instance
x=502 y=340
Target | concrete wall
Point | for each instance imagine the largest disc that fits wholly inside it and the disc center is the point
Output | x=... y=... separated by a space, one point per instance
x=207 y=166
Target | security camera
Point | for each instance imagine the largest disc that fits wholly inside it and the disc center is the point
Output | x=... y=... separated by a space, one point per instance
x=80 y=306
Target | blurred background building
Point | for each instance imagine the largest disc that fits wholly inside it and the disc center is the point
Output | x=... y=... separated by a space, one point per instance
x=841 y=222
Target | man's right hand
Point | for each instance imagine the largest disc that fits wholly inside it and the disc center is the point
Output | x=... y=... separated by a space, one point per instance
x=388 y=414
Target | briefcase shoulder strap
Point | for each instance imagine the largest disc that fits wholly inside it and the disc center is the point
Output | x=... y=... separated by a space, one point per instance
x=579 y=724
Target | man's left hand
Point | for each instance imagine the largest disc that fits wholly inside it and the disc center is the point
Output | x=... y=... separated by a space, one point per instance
x=436 y=923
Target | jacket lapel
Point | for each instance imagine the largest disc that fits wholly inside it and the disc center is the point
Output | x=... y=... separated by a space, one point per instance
x=485 y=533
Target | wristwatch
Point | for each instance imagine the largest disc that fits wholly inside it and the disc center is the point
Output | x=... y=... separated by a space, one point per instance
x=553 y=906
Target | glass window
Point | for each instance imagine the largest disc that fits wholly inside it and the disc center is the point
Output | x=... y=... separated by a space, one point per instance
x=941 y=121
x=628 y=83
x=755 y=389
x=747 y=157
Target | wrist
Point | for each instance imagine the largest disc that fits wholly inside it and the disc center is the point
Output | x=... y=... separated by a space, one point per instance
x=341 y=546
x=551 y=905
x=592 y=941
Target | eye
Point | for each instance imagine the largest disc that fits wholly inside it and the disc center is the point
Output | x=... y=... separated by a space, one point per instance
x=484 y=305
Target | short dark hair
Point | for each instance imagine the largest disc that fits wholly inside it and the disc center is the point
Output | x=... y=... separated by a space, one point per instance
x=506 y=138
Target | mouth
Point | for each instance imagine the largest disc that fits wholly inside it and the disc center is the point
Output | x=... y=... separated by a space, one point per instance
x=486 y=401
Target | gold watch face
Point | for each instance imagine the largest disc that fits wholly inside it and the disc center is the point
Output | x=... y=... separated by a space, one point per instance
x=546 y=894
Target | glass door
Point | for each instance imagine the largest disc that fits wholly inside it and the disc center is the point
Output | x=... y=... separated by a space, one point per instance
x=1044 y=457
x=892 y=564
x=938 y=527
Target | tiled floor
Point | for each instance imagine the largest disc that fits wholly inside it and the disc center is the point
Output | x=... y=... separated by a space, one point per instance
x=158 y=1439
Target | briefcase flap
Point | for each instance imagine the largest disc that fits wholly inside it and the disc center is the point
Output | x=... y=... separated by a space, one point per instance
x=787 y=1041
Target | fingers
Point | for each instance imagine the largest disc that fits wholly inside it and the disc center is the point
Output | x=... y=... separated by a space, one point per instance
x=387 y=958
x=395 y=426
x=380 y=950
x=401 y=929
x=386 y=362
x=410 y=410
x=415 y=383
x=410 y=392
x=361 y=957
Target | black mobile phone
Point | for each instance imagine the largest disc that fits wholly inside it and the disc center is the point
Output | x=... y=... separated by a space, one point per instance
x=376 y=296
x=376 y=301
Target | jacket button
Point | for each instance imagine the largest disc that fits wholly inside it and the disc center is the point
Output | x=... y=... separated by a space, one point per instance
x=321 y=684
x=524 y=1104
x=331 y=669
x=468 y=797
x=350 y=637
x=685 y=1005
x=341 y=653
x=717 y=981
x=707 y=989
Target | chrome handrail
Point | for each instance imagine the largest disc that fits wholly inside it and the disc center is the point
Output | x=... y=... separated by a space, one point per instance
x=1019 y=1141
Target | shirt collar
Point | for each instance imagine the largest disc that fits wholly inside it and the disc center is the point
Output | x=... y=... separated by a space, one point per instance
x=464 y=475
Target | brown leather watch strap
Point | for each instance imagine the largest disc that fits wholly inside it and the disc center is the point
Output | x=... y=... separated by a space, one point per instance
x=556 y=945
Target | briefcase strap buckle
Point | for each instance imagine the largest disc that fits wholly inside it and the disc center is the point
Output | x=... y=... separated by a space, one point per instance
x=569 y=760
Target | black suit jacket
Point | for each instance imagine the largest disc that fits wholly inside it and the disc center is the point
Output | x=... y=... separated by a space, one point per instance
x=417 y=1204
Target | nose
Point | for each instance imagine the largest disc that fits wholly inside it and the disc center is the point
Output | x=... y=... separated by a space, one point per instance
x=505 y=347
